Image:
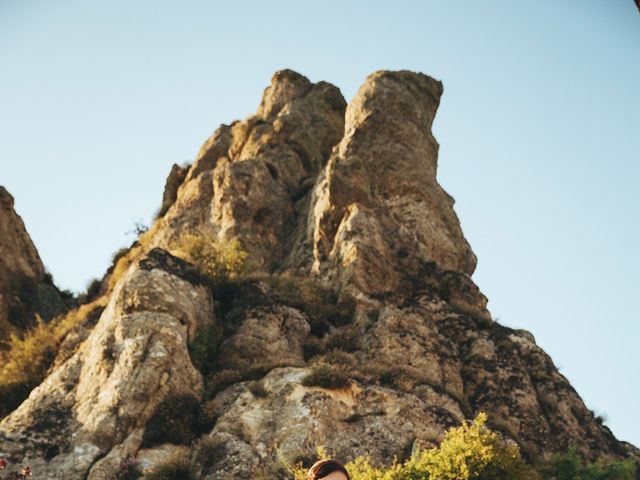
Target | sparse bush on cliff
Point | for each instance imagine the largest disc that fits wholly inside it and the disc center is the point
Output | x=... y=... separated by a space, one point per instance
x=219 y=261
x=124 y=257
x=347 y=339
x=175 y=467
x=326 y=375
x=321 y=305
x=178 y=419
x=29 y=356
x=28 y=359
x=93 y=291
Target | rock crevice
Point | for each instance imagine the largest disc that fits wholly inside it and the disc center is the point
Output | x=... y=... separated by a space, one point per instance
x=360 y=269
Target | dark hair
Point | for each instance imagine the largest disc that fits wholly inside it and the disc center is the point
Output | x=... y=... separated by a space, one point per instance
x=322 y=468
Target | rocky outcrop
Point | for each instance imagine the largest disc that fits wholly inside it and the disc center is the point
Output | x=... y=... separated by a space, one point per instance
x=378 y=210
x=90 y=413
x=174 y=180
x=360 y=328
x=247 y=177
x=25 y=287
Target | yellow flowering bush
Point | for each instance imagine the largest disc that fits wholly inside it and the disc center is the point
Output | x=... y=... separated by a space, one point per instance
x=469 y=452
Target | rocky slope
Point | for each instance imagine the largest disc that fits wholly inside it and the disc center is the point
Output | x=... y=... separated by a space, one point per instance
x=360 y=269
x=25 y=288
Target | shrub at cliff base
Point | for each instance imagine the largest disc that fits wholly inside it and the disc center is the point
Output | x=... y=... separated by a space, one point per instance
x=469 y=452
x=474 y=452
x=570 y=466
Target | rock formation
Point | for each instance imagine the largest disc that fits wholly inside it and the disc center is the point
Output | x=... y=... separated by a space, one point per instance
x=25 y=287
x=360 y=268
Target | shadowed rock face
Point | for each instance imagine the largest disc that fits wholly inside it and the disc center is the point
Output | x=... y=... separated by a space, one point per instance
x=347 y=198
x=25 y=289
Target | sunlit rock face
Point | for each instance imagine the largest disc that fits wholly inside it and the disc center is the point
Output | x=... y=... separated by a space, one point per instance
x=248 y=176
x=379 y=212
x=90 y=412
x=326 y=197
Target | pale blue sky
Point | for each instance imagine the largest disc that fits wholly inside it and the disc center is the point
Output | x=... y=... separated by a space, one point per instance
x=538 y=128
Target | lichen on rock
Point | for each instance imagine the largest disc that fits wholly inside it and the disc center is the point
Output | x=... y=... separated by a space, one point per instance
x=358 y=267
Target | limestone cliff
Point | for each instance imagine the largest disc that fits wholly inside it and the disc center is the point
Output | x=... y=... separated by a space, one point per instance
x=25 y=288
x=360 y=269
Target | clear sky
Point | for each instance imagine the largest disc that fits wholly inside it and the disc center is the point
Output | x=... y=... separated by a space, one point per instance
x=539 y=129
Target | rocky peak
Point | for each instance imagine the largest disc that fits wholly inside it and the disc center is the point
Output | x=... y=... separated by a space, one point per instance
x=286 y=87
x=248 y=176
x=380 y=211
x=360 y=328
x=19 y=254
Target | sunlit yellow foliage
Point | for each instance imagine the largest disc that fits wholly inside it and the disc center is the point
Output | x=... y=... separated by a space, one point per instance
x=220 y=261
x=469 y=452
x=29 y=356
x=297 y=469
x=124 y=262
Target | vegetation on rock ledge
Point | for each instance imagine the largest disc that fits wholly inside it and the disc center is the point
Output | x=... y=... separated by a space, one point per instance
x=475 y=452
x=25 y=364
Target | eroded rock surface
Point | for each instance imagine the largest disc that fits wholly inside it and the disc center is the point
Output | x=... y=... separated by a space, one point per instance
x=90 y=413
x=247 y=177
x=326 y=200
x=379 y=210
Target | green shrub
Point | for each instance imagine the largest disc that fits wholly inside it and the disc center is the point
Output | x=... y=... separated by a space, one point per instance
x=219 y=261
x=469 y=452
x=570 y=466
x=175 y=467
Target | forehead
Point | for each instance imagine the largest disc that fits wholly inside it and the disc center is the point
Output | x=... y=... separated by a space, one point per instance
x=335 y=476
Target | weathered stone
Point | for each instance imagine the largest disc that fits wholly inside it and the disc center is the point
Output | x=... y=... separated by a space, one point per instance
x=379 y=209
x=174 y=180
x=135 y=357
x=353 y=206
x=25 y=287
x=296 y=419
x=244 y=183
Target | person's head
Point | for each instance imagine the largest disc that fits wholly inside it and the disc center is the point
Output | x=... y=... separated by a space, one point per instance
x=327 y=470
